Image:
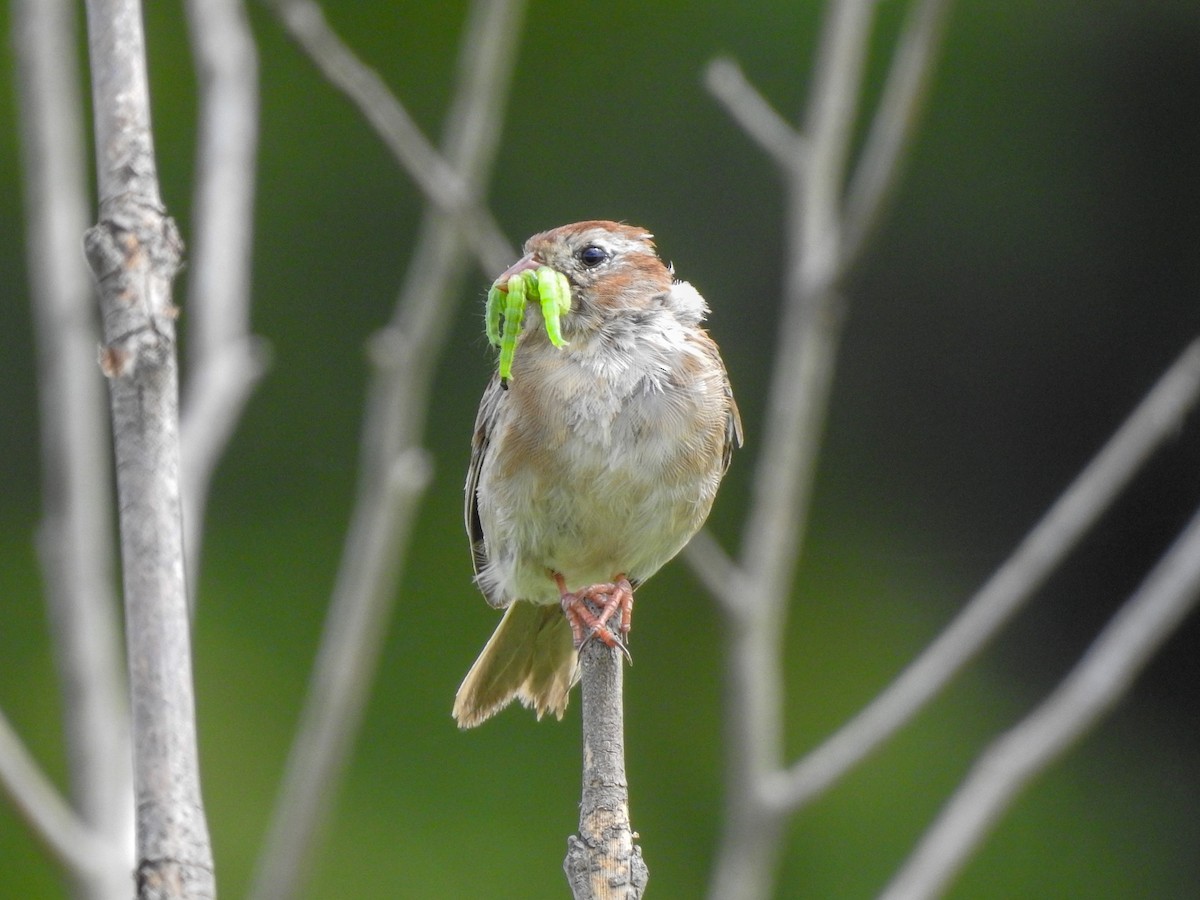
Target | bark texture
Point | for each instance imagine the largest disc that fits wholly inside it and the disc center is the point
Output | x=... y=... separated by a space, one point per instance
x=603 y=862
x=135 y=251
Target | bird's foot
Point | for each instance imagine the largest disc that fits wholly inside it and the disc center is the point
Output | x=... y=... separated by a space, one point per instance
x=609 y=599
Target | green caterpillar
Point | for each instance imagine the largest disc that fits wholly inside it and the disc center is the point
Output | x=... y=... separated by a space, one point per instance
x=506 y=310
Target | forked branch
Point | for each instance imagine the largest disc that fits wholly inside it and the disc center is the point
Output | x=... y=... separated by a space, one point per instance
x=829 y=226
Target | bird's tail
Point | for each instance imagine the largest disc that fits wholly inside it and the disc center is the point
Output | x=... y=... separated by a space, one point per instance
x=530 y=657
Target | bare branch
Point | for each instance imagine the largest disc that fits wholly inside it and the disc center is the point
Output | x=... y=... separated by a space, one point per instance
x=441 y=183
x=797 y=404
x=75 y=538
x=1104 y=674
x=892 y=127
x=1156 y=419
x=337 y=692
x=749 y=108
x=811 y=319
x=602 y=862
x=827 y=234
x=134 y=251
x=393 y=468
x=225 y=362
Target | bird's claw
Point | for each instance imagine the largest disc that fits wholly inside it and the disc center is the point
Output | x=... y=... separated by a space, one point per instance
x=609 y=598
x=606 y=637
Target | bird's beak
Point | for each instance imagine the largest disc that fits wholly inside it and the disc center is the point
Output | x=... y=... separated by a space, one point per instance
x=525 y=264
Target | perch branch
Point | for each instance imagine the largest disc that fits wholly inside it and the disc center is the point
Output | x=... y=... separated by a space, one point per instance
x=602 y=861
x=134 y=251
x=75 y=538
x=224 y=361
x=1104 y=674
x=394 y=469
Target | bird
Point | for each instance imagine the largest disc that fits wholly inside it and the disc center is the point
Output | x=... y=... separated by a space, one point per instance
x=593 y=464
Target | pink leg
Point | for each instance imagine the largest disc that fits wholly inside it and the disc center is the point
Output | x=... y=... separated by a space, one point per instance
x=617 y=595
x=610 y=597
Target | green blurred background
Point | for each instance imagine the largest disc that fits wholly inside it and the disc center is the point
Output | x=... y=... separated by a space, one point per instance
x=1038 y=268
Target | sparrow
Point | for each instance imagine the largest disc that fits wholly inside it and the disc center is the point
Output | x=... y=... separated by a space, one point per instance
x=593 y=464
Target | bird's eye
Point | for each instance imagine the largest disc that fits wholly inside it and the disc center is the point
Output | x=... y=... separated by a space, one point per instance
x=591 y=255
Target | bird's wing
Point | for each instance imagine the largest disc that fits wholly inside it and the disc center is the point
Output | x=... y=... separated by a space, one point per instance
x=733 y=426
x=485 y=419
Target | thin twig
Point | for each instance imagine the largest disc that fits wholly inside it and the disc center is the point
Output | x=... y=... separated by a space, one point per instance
x=743 y=102
x=75 y=539
x=225 y=361
x=439 y=180
x=1155 y=420
x=134 y=250
x=602 y=861
x=1104 y=674
x=393 y=469
x=77 y=846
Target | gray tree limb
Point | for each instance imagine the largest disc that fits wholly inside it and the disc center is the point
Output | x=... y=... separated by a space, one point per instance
x=771 y=131
x=134 y=250
x=753 y=590
x=878 y=168
x=827 y=235
x=755 y=599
